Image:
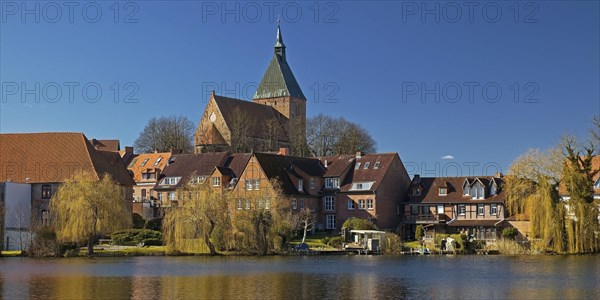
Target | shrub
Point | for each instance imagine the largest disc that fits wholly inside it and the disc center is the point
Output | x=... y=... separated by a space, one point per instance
x=391 y=244
x=154 y=224
x=359 y=224
x=461 y=242
x=132 y=237
x=438 y=239
x=336 y=241
x=153 y=242
x=510 y=233
x=137 y=221
x=419 y=232
x=44 y=244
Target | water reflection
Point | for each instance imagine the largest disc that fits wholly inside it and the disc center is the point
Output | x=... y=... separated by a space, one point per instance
x=304 y=277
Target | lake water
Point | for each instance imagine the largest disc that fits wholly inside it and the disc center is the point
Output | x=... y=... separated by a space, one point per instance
x=315 y=277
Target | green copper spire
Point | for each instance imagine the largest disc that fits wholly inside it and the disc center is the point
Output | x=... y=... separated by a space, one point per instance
x=278 y=80
x=279 y=45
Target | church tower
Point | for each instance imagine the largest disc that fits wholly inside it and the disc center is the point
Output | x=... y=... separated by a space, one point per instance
x=280 y=90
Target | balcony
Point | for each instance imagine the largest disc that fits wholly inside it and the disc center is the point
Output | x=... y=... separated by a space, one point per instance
x=426 y=219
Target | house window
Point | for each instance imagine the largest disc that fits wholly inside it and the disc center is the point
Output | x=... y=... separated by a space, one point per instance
x=414 y=210
x=462 y=210
x=300 y=185
x=350 y=204
x=45 y=217
x=493 y=190
x=359 y=186
x=440 y=209
x=170 y=180
x=157 y=161
x=330 y=221
x=294 y=204
x=493 y=209
x=171 y=196
x=249 y=184
x=443 y=191
x=425 y=210
x=480 y=210
x=357 y=166
x=477 y=191
x=377 y=164
x=467 y=190
x=46 y=191
x=367 y=164
x=370 y=204
x=247 y=203
x=256 y=184
x=216 y=181
x=597 y=184
x=332 y=182
x=416 y=192
x=144 y=162
x=301 y=204
x=267 y=203
x=329 y=202
x=143 y=194
x=240 y=204
x=361 y=204
x=312 y=184
x=160 y=196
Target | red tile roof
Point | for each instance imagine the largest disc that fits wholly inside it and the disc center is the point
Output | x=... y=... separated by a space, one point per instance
x=106 y=145
x=152 y=163
x=55 y=157
x=430 y=190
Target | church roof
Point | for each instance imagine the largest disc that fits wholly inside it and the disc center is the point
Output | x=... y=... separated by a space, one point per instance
x=256 y=113
x=279 y=81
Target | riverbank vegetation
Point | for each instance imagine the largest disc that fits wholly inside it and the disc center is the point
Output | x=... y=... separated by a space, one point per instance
x=553 y=189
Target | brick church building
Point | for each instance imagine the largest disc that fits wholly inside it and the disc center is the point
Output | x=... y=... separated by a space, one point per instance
x=275 y=118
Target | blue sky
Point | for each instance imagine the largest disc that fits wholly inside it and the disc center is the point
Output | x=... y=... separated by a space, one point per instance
x=375 y=63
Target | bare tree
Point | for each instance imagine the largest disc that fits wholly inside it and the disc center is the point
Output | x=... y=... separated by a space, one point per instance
x=164 y=134
x=595 y=132
x=241 y=124
x=272 y=130
x=304 y=220
x=297 y=135
x=334 y=136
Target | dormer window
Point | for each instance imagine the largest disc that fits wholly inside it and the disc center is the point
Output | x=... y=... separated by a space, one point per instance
x=170 y=181
x=377 y=164
x=416 y=192
x=443 y=191
x=144 y=162
x=597 y=184
x=312 y=183
x=357 y=166
x=477 y=191
x=158 y=161
x=216 y=181
x=367 y=164
x=332 y=182
x=493 y=190
x=300 y=185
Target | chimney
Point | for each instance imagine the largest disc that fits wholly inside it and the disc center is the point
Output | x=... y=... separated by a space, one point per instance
x=283 y=151
x=417 y=178
x=326 y=163
x=499 y=175
x=359 y=154
x=128 y=149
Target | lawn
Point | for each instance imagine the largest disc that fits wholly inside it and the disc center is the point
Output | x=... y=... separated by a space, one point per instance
x=314 y=241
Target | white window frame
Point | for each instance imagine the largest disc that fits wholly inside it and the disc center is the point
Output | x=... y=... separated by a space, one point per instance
x=444 y=193
x=330 y=222
x=440 y=209
x=480 y=209
x=494 y=209
x=362 y=204
x=157 y=161
x=300 y=185
x=294 y=204
x=367 y=164
x=256 y=184
x=464 y=210
x=301 y=204
x=216 y=181
x=329 y=203
x=351 y=204
x=249 y=184
x=357 y=166
x=370 y=204
x=377 y=164
x=171 y=196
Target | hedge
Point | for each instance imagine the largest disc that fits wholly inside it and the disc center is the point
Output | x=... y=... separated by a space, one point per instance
x=132 y=237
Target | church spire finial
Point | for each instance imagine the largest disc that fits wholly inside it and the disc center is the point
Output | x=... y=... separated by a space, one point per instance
x=279 y=45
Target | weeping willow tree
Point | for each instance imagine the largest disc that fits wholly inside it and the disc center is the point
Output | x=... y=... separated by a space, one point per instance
x=189 y=226
x=85 y=207
x=581 y=224
x=260 y=218
x=532 y=189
